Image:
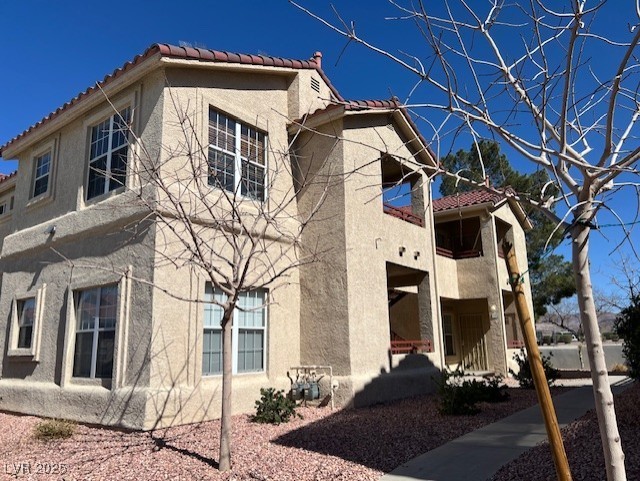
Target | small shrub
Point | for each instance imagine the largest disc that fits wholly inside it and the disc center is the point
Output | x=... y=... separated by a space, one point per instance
x=50 y=429
x=627 y=326
x=524 y=376
x=566 y=338
x=274 y=407
x=619 y=369
x=494 y=390
x=547 y=340
x=460 y=396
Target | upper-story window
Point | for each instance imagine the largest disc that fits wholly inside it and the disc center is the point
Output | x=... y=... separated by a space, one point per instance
x=237 y=156
x=41 y=176
x=108 y=154
x=6 y=203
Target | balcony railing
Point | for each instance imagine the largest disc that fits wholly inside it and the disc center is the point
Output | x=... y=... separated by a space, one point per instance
x=403 y=213
x=415 y=346
x=444 y=252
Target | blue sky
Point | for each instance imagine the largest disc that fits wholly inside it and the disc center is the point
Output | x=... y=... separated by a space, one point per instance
x=53 y=50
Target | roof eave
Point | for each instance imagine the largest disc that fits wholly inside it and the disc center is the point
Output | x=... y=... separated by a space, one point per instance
x=313 y=121
x=486 y=206
x=411 y=130
x=8 y=182
x=520 y=214
x=337 y=111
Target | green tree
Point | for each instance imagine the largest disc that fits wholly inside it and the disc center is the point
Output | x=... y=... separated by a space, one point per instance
x=551 y=276
x=628 y=328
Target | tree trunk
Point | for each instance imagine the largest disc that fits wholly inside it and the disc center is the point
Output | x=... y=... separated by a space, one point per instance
x=611 y=445
x=227 y=373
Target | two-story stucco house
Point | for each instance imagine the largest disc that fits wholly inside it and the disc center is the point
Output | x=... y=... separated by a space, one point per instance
x=97 y=327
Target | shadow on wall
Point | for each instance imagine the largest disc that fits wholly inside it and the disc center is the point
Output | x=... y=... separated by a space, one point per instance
x=374 y=435
x=408 y=377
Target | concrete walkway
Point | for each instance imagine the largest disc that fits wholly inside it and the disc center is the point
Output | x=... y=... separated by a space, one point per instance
x=480 y=454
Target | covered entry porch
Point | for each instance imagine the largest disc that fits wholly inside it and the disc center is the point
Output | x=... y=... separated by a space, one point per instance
x=410 y=310
x=466 y=334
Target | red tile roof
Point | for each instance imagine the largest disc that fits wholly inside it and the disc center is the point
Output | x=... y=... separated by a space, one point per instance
x=465 y=199
x=360 y=105
x=188 y=53
x=4 y=177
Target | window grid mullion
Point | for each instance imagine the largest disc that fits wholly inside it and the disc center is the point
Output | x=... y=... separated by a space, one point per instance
x=238 y=160
x=234 y=341
x=107 y=168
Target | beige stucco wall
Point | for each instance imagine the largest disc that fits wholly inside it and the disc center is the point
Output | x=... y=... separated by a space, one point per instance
x=374 y=239
x=517 y=237
x=485 y=276
x=324 y=312
x=99 y=258
x=303 y=99
x=94 y=244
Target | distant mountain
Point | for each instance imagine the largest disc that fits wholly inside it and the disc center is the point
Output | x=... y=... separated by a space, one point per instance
x=606 y=321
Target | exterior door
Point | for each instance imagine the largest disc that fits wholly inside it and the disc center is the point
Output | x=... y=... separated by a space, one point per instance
x=473 y=342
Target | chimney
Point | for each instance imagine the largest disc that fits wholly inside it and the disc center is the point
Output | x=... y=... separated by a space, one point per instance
x=318 y=59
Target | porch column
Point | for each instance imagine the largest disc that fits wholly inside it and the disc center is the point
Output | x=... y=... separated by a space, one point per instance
x=497 y=336
x=425 y=310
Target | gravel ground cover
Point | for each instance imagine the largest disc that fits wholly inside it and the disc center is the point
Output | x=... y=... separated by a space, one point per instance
x=582 y=444
x=354 y=444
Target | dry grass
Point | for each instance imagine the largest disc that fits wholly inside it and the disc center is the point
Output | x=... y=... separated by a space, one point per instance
x=50 y=429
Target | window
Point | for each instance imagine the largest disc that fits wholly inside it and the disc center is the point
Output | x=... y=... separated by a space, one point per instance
x=95 y=332
x=41 y=178
x=108 y=154
x=237 y=156
x=447 y=328
x=212 y=338
x=26 y=318
x=6 y=204
x=25 y=324
x=248 y=332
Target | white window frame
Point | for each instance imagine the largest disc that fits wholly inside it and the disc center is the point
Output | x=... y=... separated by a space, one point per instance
x=33 y=351
x=121 y=347
x=22 y=310
x=95 y=330
x=36 y=177
x=6 y=203
x=253 y=132
x=110 y=150
x=235 y=331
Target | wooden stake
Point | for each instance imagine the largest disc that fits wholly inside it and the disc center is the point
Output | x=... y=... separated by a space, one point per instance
x=535 y=361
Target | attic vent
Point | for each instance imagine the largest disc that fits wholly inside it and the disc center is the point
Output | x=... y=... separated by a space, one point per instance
x=315 y=84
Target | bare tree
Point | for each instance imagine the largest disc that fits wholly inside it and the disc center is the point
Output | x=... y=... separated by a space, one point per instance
x=566 y=314
x=240 y=229
x=558 y=85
